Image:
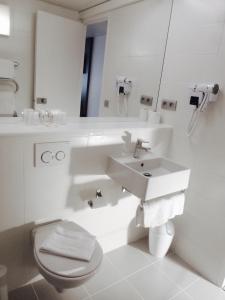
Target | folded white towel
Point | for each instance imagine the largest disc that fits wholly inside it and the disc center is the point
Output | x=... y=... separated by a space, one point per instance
x=70 y=244
x=158 y=211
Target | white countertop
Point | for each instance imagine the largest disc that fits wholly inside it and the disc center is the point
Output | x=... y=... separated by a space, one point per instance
x=77 y=126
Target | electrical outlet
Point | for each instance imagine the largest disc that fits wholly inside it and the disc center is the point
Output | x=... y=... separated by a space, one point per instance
x=169 y=105
x=106 y=103
x=146 y=100
x=164 y=104
x=42 y=100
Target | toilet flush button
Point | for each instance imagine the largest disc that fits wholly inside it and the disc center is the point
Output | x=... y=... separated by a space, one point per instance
x=60 y=155
x=51 y=154
x=47 y=157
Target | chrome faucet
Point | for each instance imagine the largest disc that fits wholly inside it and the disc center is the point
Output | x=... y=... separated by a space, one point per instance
x=139 y=146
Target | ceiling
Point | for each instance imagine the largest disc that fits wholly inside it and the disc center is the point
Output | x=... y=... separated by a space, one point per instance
x=77 y=4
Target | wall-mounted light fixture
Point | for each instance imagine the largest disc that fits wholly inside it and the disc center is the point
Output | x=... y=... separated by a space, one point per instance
x=4 y=20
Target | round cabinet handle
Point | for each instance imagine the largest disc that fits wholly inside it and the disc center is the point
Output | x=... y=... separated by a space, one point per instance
x=60 y=155
x=46 y=157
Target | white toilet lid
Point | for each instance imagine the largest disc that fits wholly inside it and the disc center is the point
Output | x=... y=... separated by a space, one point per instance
x=61 y=266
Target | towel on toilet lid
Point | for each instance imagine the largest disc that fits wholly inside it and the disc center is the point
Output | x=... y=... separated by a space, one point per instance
x=69 y=244
x=158 y=211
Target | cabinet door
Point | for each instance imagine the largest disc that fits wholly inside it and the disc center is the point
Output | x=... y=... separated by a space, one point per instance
x=59 y=58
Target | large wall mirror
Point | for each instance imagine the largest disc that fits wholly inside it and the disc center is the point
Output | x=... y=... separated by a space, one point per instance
x=98 y=67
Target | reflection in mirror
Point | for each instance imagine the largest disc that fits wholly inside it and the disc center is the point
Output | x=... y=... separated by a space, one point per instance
x=93 y=69
x=109 y=67
x=133 y=60
x=135 y=50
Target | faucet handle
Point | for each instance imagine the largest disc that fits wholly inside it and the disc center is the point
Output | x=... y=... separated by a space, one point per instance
x=99 y=193
x=141 y=141
x=139 y=146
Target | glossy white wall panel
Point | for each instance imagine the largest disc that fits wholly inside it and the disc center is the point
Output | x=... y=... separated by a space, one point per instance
x=12 y=209
x=195 y=53
x=47 y=189
x=11 y=174
x=60 y=44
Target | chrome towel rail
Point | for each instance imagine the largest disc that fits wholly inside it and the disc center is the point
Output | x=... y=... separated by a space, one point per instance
x=10 y=80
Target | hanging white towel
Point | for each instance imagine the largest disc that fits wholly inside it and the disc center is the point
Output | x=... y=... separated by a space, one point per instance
x=158 y=211
x=70 y=244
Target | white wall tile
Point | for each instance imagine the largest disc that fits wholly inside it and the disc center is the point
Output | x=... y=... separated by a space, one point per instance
x=20 y=45
x=11 y=194
x=195 y=54
x=205 y=290
x=47 y=190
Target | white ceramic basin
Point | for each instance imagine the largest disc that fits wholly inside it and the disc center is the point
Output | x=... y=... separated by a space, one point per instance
x=150 y=177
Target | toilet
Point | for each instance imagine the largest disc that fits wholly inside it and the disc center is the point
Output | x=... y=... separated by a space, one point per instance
x=63 y=273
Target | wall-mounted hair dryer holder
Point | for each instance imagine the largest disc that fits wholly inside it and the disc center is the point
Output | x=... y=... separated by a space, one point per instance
x=123 y=90
x=201 y=96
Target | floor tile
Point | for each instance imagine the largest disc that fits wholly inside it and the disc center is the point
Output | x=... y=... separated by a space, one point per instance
x=182 y=296
x=152 y=284
x=128 y=259
x=104 y=277
x=142 y=245
x=119 y=291
x=45 y=291
x=147 y=278
x=24 y=293
x=178 y=271
x=203 y=289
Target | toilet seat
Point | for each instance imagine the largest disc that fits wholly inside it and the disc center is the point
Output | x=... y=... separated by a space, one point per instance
x=64 y=272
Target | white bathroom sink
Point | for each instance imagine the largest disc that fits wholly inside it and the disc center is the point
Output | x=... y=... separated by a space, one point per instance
x=150 y=177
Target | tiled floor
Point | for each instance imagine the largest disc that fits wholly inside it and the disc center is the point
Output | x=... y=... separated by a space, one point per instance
x=131 y=273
